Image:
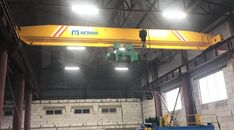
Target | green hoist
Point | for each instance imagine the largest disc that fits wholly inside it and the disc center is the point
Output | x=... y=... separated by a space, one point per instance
x=124 y=53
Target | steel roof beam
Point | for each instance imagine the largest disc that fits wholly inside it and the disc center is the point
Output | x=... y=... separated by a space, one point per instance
x=147 y=13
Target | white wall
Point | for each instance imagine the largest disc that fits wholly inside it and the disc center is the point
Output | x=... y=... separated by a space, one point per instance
x=223 y=109
x=148 y=108
x=128 y=114
x=222 y=29
x=220 y=26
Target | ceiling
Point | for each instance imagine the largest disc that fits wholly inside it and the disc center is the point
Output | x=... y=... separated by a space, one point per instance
x=97 y=77
x=120 y=13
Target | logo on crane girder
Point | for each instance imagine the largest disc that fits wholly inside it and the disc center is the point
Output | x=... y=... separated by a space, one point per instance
x=74 y=31
x=83 y=32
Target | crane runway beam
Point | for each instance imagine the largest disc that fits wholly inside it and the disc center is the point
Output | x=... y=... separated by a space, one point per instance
x=63 y=35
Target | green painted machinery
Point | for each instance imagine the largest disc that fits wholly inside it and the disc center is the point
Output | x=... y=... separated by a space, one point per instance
x=124 y=53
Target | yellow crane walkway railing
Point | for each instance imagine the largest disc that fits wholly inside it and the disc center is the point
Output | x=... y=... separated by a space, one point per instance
x=199 y=119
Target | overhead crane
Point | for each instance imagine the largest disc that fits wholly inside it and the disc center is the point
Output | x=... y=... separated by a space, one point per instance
x=63 y=35
x=116 y=38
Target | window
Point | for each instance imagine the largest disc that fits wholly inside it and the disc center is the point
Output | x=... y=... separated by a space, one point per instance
x=82 y=111
x=52 y=112
x=86 y=111
x=212 y=88
x=105 y=110
x=78 y=111
x=57 y=111
x=49 y=112
x=108 y=110
x=171 y=99
x=8 y=113
x=112 y=110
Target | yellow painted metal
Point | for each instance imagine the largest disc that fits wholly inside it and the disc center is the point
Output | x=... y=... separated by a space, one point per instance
x=160 y=121
x=147 y=128
x=198 y=119
x=62 y=35
x=166 y=119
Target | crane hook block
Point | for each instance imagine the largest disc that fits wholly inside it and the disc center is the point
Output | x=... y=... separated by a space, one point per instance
x=143 y=35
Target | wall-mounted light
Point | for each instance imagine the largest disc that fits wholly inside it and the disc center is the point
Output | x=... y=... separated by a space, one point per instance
x=121 y=68
x=72 y=68
x=80 y=48
x=85 y=9
x=174 y=14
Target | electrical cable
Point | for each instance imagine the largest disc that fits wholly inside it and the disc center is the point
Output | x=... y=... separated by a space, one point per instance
x=14 y=101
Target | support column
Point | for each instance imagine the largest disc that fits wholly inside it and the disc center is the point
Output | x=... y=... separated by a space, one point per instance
x=231 y=24
x=18 y=111
x=28 y=108
x=188 y=98
x=232 y=61
x=3 y=70
x=158 y=104
x=189 y=104
x=156 y=93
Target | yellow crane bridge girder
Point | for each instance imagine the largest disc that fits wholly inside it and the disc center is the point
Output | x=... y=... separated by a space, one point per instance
x=63 y=35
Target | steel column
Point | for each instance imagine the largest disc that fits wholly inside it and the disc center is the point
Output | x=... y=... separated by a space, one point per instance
x=187 y=92
x=156 y=94
x=188 y=98
x=18 y=111
x=231 y=24
x=28 y=108
x=3 y=69
x=232 y=61
x=157 y=102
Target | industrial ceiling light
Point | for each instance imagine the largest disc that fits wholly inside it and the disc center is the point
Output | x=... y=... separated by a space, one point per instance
x=76 y=48
x=121 y=68
x=72 y=68
x=85 y=9
x=174 y=14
